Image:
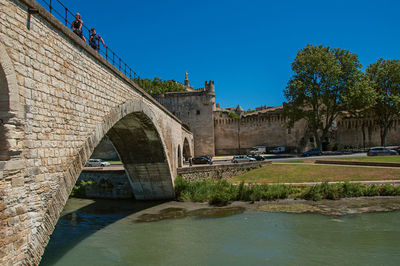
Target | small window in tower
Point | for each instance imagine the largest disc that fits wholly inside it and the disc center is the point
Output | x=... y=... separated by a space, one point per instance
x=197 y=112
x=289 y=131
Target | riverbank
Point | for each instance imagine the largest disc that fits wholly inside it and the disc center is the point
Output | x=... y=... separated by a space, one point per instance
x=177 y=210
x=222 y=192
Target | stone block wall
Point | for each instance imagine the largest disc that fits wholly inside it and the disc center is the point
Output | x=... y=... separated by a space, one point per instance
x=253 y=130
x=108 y=184
x=217 y=172
x=63 y=98
x=269 y=129
x=195 y=109
x=349 y=134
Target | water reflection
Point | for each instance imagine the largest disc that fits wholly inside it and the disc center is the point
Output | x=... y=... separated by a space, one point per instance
x=102 y=233
x=83 y=217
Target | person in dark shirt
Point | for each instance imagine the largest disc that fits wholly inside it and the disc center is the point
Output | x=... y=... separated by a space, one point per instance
x=76 y=26
x=95 y=39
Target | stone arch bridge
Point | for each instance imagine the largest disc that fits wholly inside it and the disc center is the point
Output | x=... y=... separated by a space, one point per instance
x=58 y=99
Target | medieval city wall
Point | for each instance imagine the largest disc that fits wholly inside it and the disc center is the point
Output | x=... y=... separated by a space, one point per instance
x=349 y=134
x=270 y=130
x=234 y=136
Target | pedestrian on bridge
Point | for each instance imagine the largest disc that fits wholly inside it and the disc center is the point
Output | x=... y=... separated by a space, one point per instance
x=95 y=39
x=76 y=26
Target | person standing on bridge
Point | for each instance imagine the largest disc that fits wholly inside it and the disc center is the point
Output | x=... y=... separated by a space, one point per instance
x=76 y=26
x=95 y=39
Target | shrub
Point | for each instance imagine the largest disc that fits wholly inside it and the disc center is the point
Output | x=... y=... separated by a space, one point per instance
x=79 y=190
x=181 y=186
x=353 y=189
x=221 y=192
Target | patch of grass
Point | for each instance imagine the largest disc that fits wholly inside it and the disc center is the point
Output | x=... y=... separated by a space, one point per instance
x=222 y=192
x=348 y=190
x=115 y=162
x=284 y=173
x=293 y=161
x=380 y=159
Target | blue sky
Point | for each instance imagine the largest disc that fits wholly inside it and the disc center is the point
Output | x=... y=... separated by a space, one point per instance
x=246 y=47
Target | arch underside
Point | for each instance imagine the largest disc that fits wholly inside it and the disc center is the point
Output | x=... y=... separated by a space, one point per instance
x=4 y=109
x=186 y=149
x=140 y=148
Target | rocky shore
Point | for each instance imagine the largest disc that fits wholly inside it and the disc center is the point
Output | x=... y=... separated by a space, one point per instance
x=346 y=206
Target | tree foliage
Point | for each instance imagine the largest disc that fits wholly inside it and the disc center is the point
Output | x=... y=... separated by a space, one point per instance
x=385 y=80
x=322 y=76
x=158 y=86
x=358 y=102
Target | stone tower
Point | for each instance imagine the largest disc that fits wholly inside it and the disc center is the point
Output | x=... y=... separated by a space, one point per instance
x=195 y=109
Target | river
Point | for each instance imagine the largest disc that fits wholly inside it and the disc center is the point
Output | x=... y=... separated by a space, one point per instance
x=106 y=232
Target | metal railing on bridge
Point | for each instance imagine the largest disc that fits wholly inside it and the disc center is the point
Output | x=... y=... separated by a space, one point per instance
x=62 y=13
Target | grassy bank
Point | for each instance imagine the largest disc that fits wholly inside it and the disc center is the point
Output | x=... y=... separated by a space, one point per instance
x=377 y=159
x=284 y=173
x=222 y=192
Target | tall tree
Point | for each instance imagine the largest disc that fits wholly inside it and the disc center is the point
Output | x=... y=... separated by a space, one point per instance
x=358 y=102
x=385 y=77
x=314 y=92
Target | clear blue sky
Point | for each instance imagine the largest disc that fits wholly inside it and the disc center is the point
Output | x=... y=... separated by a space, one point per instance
x=246 y=47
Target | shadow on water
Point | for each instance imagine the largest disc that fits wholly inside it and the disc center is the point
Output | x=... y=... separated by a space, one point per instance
x=74 y=226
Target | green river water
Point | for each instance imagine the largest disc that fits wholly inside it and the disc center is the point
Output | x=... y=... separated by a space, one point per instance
x=106 y=233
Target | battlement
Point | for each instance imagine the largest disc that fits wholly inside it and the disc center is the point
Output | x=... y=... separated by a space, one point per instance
x=209 y=86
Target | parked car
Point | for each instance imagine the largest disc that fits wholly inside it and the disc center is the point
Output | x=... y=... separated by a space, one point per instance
x=380 y=151
x=242 y=159
x=312 y=152
x=397 y=149
x=278 y=149
x=97 y=163
x=256 y=156
x=204 y=159
x=258 y=150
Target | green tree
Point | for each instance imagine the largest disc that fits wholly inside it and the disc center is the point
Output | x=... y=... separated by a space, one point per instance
x=385 y=79
x=158 y=86
x=314 y=92
x=359 y=100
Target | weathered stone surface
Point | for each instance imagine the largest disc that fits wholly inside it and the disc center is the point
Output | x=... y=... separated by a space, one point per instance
x=217 y=172
x=58 y=99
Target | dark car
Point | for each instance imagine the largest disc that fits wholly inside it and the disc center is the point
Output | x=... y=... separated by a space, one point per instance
x=256 y=156
x=202 y=160
x=380 y=151
x=312 y=152
x=397 y=149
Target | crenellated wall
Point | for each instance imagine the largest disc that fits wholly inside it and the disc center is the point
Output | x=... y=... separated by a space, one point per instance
x=239 y=135
x=349 y=133
x=269 y=129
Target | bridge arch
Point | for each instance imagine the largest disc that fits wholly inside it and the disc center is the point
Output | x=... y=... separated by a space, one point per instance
x=135 y=132
x=186 y=149
x=9 y=107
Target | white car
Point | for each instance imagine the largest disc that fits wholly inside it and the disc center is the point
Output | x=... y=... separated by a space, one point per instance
x=97 y=163
x=242 y=159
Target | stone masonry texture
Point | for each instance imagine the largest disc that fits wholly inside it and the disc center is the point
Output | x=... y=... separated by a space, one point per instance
x=59 y=98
